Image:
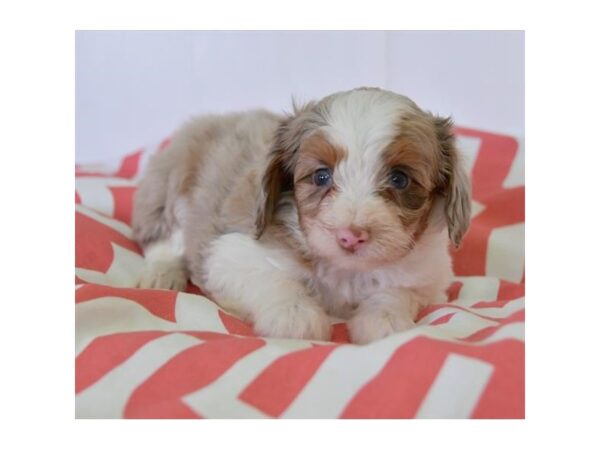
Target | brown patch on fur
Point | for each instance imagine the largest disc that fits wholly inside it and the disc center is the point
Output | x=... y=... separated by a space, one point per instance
x=315 y=153
x=423 y=223
x=274 y=181
x=414 y=151
x=412 y=202
x=425 y=151
x=282 y=161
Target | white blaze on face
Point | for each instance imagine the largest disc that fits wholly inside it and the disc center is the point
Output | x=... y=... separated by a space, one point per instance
x=364 y=123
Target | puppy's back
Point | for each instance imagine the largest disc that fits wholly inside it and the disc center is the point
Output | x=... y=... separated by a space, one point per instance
x=207 y=160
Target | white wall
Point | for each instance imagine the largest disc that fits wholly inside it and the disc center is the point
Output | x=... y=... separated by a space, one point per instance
x=134 y=88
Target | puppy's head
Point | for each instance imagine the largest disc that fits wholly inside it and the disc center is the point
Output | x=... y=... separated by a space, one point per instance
x=369 y=172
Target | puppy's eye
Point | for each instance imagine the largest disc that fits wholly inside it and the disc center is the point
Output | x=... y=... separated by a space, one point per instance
x=322 y=177
x=399 y=179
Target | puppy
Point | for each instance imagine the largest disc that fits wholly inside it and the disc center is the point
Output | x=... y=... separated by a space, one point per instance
x=343 y=208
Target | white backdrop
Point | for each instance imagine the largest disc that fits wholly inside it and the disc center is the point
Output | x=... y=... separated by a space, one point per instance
x=134 y=88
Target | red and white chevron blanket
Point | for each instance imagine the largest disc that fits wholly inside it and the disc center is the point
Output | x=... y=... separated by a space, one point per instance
x=143 y=353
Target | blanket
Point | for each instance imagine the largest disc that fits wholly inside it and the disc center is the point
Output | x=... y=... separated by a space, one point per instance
x=149 y=353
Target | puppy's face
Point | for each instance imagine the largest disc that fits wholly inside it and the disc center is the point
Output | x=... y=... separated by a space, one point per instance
x=367 y=167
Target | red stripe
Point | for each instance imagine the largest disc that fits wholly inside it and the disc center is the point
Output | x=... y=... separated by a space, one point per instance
x=130 y=165
x=128 y=168
x=161 y=303
x=504 y=396
x=454 y=290
x=432 y=308
x=192 y=369
x=234 y=325
x=509 y=291
x=502 y=206
x=274 y=389
x=340 y=333
x=480 y=335
x=444 y=319
x=93 y=239
x=193 y=289
x=107 y=352
x=494 y=160
x=399 y=389
x=123 y=201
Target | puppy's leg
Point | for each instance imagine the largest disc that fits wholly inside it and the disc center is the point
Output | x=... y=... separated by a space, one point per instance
x=384 y=313
x=165 y=265
x=261 y=284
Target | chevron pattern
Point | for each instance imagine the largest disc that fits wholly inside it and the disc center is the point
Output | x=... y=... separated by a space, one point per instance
x=143 y=353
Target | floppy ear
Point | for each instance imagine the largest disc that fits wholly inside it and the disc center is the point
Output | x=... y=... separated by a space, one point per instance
x=455 y=183
x=276 y=179
x=278 y=174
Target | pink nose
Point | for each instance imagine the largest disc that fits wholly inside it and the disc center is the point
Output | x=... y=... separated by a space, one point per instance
x=351 y=238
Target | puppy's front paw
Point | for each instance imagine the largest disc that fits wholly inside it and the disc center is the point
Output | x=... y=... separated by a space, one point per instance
x=294 y=319
x=164 y=275
x=370 y=326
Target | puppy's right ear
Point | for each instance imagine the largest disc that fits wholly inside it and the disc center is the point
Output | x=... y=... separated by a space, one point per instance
x=275 y=180
x=278 y=174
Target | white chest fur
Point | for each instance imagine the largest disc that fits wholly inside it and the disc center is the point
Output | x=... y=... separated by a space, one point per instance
x=427 y=268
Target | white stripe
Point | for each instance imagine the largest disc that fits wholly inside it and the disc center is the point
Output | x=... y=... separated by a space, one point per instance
x=456 y=389
x=96 y=195
x=495 y=312
x=505 y=311
x=108 y=397
x=438 y=313
x=196 y=312
x=452 y=332
x=476 y=208
x=462 y=325
x=109 y=315
x=144 y=159
x=116 y=225
x=506 y=252
x=515 y=330
x=342 y=374
x=91 y=182
x=105 y=167
x=477 y=289
x=325 y=396
x=169 y=249
x=468 y=147
x=125 y=269
x=219 y=400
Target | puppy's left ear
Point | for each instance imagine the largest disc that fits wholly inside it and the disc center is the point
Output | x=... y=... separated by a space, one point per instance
x=454 y=182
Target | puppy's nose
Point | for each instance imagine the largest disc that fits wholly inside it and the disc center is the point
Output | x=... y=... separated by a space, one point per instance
x=351 y=238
